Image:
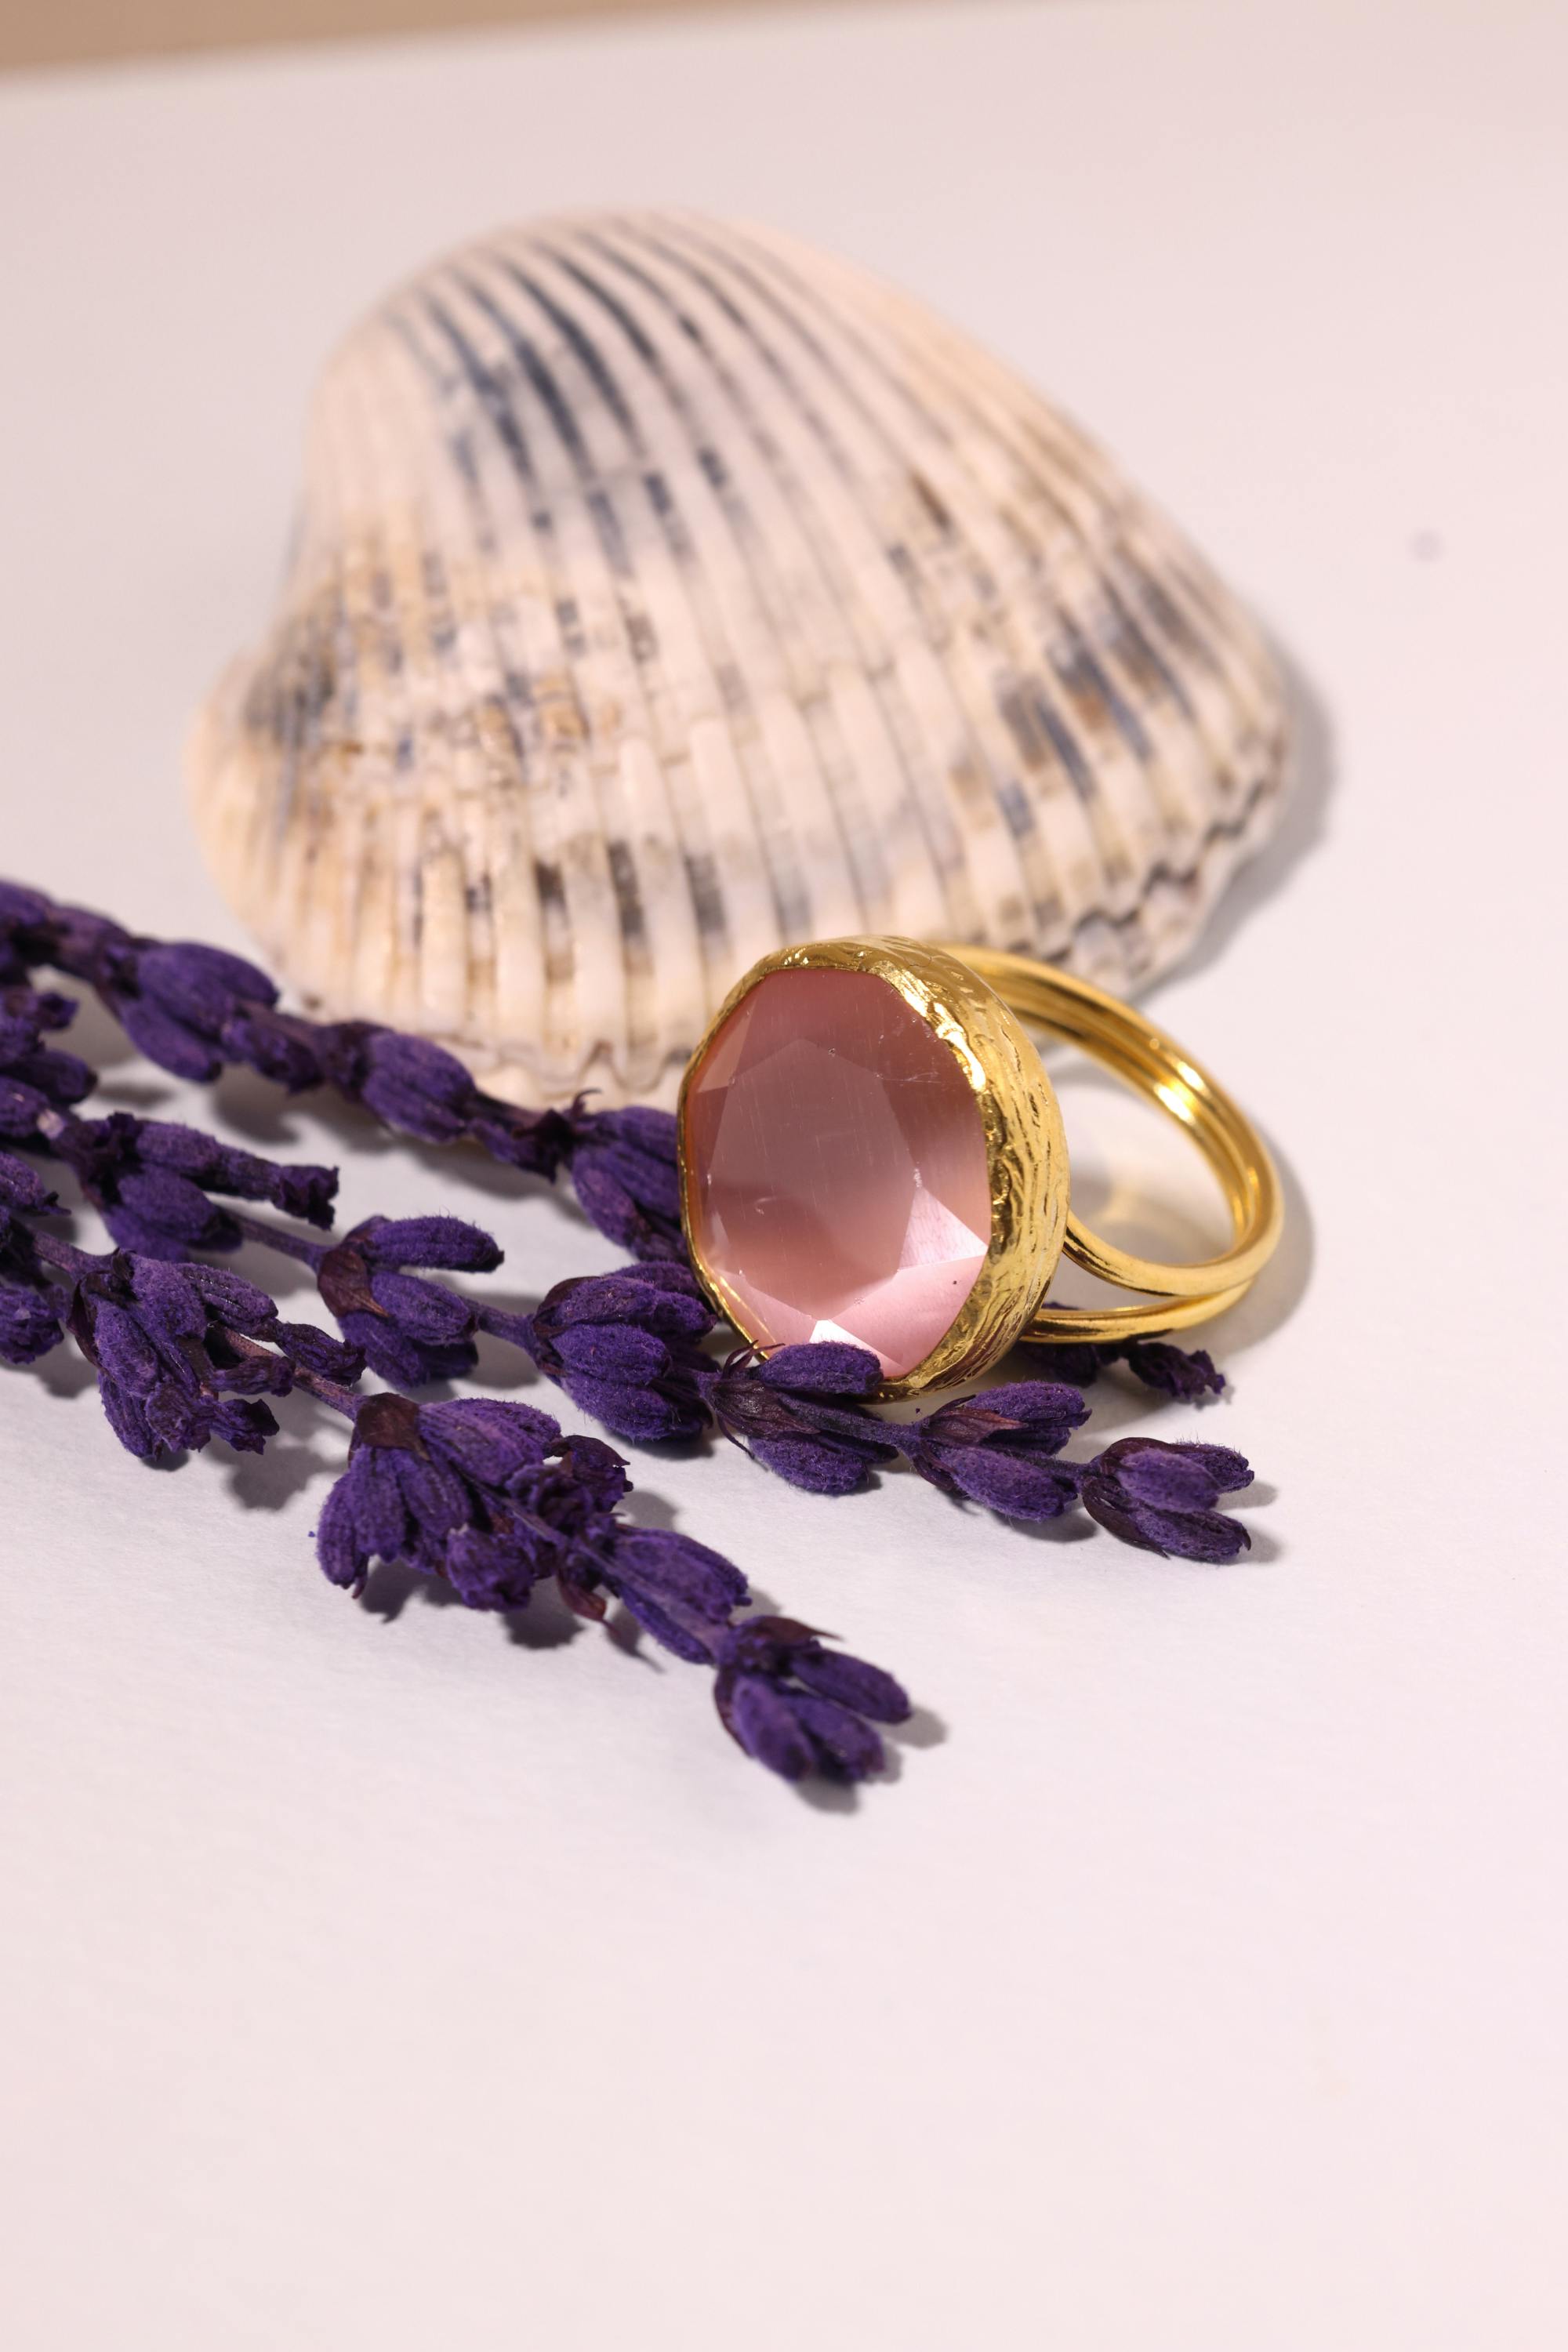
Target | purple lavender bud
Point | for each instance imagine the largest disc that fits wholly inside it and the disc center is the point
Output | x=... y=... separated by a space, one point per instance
x=1189 y=1374
x=363 y=1520
x=411 y=1331
x=454 y=1489
x=818 y=1465
x=491 y=1439
x=161 y=1215
x=1012 y=1487
x=798 y=1413
x=418 y=1086
x=179 y=1419
x=623 y=1346
x=166 y=1041
x=30 y=1325
x=27 y=1015
x=165 y=1357
x=422 y=1311
x=843 y=1744
x=1161 y=1498
x=654 y=1563
x=167 y=1301
x=123 y=1350
x=126 y=1418
x=317 y=1351
x=644 y=1416
x=821 y=1367
x=624 y=1174
x=405 y=1362
x=798 y=1709
x=766 y=1721
x=273 y=1046
x=246 y=1424
x=997 y=1448
x=62 y=1079
x=445 y=1242
x=200 y=986
x=661 y=1299
x=615 y=1352
x=21 y=1106
x=230 y=1300
x=24 y=929
x=852 y=1682
x=301 y=1191
x=489 y=1571
x=537 y=1141
x=246 y=1374
x=1077 y=1362
x=1178 y=1477
x=21 y=1187
x=88 y=944
x=596 y=1467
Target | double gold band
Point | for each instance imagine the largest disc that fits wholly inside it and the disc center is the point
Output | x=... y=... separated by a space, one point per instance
x=1155 y=1065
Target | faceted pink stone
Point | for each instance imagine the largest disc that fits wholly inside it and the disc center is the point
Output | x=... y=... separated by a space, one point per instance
x=840 y=1182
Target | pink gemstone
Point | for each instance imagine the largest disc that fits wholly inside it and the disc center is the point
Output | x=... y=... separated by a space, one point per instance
x=840 y=1187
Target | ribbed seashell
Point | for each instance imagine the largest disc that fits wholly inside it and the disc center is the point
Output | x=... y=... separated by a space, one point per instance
x=666 y=592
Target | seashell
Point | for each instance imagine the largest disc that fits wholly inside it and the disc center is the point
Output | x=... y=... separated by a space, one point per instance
x=664 y=592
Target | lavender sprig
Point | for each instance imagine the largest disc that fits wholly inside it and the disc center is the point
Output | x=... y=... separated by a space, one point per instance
x=195 y=1009
x=626 y=1348
x=151 y=1180
x=487 y=1494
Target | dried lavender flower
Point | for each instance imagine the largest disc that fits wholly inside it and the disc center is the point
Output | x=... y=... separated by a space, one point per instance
x=799 y=1708
x=412 y=1331
x=999 y=1448
x=151 y=1179
x=30 y=1324
x=800 y=1411
x=623 y=1347
x=168 y=1382
x=624 y=1171
x=23 y=1193
x=489 y=1495
x=1161 y=1498
x=193 y=1009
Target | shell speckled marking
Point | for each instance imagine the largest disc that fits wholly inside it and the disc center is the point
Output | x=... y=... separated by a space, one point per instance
x=666 y=593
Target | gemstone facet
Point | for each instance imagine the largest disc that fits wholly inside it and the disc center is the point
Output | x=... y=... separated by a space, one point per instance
x=838 y=1186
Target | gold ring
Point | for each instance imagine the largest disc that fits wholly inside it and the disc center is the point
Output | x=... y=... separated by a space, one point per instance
x=871 y=1150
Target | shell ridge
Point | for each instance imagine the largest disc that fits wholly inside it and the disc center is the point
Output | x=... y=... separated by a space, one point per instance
x=829 y=475
x=974 y=387
x=759 y=600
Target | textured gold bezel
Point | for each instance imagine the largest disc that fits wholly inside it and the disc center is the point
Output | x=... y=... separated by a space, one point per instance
x=1025 y=1150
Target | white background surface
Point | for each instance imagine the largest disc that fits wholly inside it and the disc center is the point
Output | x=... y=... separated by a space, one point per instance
x=375 y=1980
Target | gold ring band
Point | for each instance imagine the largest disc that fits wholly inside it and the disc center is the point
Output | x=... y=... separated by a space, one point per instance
x=1124 y=1041
x=892 y=1169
